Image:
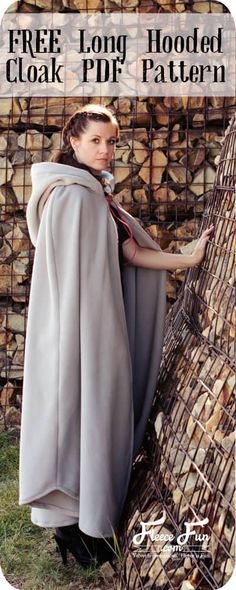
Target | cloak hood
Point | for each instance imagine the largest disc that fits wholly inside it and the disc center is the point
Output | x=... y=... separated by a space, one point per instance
x=48 y=175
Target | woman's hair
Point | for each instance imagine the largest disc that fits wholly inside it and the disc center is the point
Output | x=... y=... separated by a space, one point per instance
x=78 y=123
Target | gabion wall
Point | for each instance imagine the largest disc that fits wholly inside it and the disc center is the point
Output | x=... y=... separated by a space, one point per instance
x=164 y=169
x=187 y=464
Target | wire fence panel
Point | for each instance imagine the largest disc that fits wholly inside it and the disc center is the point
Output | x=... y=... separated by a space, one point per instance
x=164 y=169
x=172 y=174
x=186 y=468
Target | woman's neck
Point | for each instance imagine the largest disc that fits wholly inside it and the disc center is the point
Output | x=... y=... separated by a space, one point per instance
x=72 y=161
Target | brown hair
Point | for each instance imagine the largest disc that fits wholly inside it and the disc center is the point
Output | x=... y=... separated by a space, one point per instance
x=78 y=123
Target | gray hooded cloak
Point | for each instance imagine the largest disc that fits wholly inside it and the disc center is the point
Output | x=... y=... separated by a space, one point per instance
x=92 y=353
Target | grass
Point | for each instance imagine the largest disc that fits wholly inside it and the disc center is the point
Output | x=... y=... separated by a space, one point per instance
x=29 y=559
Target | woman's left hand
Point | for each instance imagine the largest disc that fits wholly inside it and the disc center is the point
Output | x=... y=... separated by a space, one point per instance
x=200 y=248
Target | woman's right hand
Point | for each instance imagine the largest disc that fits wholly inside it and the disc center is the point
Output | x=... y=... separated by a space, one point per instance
x=200 y=248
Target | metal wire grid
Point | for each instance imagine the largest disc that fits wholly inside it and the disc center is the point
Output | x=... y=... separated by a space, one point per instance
x=16 y=268
x=153 y=490
x=208 y=295
x=121 y=5
x=153 y=482
x=16 y=251
x=191 y=424
x=165 y=217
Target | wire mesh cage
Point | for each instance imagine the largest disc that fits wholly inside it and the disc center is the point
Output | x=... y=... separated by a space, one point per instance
x=165 y=169
x=168 y=6
x=186 y=468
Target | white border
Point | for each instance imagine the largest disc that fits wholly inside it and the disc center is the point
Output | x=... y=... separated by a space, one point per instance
x=4 y=585
x=231 y=584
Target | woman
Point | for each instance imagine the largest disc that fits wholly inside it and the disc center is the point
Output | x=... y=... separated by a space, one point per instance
x=94 y=340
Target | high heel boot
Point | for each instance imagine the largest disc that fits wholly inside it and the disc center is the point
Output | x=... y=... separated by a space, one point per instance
x=86 y=550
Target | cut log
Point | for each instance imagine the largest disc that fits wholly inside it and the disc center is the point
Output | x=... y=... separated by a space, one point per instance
x=193 y=102
x=7 y=283
x=139 y=153
x=13 y=417
x=5 y=337
x=176 y=154
x=153 y=169
x=175 y=135
x=122 y=172
x=161 y=114
x=203 y=180
x=7 y=201
x=10 y=112
x=179 y=173
x=17 y=240
x=174 y=103
x=15 y=322
x=124 y=196
x=52 y=115
x=6 y=171
x=198 y=120
x=180 y=5
x=205 y=6
x=166 y=5
x=21 y=184
x=140 y=195
x=137 y=134
x=21 y=157
x=194 y=158
x=11 y=138
x=33 y=140
x=164 y=193
x=142 y=117
x=3 y=144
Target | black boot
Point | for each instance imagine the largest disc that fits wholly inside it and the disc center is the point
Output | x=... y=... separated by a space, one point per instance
x=87 y=550
x=70 y=538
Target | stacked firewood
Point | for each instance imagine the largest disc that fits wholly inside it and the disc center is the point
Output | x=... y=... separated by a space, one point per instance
x=178 y=6
x=163 y=173
x=186 y=470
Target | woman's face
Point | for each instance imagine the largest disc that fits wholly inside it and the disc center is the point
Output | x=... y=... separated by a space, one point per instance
x=96 y=145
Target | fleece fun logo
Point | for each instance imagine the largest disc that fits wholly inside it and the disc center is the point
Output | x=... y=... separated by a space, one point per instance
x=172 y=545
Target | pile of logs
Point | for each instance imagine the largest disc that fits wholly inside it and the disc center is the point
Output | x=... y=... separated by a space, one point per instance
x=178 y=6
x=187 y=466
x=164 y=166
x=162 y=171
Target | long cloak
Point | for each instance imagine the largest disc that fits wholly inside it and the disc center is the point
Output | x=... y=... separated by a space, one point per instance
x=92 y=353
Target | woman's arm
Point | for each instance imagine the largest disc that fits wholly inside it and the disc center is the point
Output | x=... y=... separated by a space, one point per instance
x=159 y=260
